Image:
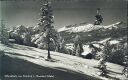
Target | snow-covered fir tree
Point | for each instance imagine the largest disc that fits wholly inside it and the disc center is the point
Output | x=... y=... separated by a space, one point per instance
x=78 y=46
x=78 y=50
x=4 y=37
x=102 y=67
x=47 y=35
x=107 y=51
x=102 y=62
x=61 y=43
x=125 y=70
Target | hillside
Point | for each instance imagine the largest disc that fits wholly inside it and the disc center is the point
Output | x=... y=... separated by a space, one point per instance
x=28 y=60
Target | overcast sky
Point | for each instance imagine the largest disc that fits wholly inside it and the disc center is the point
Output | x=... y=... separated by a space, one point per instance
x=66 y=12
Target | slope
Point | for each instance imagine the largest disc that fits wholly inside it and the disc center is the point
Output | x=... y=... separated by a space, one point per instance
x=73 y=67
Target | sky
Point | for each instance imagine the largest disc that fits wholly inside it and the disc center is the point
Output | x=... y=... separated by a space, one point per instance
x=66 y=12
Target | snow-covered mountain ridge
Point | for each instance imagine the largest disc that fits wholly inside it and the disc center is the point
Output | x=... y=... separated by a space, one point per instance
x=87 y=27
x=90 y=33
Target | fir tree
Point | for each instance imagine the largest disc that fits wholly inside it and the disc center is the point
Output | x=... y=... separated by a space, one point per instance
x=78 y=47
x=107 y=51
x=102 y=67
x=61 y=44
x=102 y=61
x=4 y=37
x=125 y=70
x=48 y=35
x=78 y=50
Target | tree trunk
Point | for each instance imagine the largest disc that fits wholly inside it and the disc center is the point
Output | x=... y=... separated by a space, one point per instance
x=48 y=57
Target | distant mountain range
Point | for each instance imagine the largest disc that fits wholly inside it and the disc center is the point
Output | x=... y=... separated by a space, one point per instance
x=86 y=27
x=90 y=32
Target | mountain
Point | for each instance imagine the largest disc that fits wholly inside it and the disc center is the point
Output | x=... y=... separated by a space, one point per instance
x=90 y=32
x=30 y=64
x=86 y=27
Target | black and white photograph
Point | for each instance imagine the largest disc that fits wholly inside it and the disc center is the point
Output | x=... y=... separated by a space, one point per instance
x=63 y=40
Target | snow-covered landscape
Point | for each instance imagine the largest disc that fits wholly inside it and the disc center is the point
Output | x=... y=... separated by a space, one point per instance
x=62 y=62
x=71 y=40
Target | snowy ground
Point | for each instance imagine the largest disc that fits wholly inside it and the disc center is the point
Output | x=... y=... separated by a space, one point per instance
x=62 y=62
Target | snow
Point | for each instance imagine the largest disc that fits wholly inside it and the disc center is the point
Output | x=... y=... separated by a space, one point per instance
x=83 y=28
x=113 y=25
x=69 y=46
x=87 y=27
x=104 y=40
x=73 y=63
x=86 y=50
x=12 y=40
x=114 y=42
x=63 y=29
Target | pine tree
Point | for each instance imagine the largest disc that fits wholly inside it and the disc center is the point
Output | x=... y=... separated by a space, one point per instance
x=4 y=37
x=78 y=51
x=107 y=51
x=104 y=57
x=48 y=35
x=61 y=44
x=102 y=62
x=125 y=70
x=78 y=47
x=102 y=67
